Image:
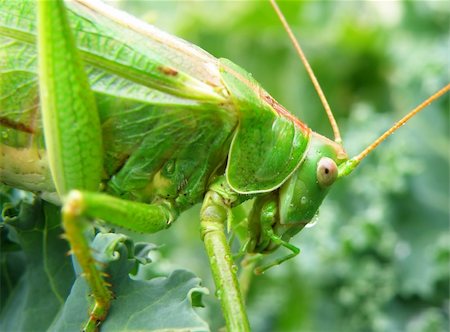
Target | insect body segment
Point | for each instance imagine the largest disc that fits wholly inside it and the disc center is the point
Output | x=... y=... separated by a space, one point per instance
x=304 y=191
x=279 y=215
x=267 y=147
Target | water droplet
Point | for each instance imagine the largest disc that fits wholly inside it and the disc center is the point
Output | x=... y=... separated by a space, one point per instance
x=234 y=268
x=313 y=221
x=303 y=200
x=213 y=260
x=218 y=293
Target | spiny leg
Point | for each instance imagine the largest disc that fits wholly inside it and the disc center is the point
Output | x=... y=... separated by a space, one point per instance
x=140 y=217
x=80 y=248
x=267 y=217
x=72 y=133
x=277 y=240
x=73 y=139
x=214 y=215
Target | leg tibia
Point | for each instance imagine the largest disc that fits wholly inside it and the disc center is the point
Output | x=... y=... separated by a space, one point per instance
x=214 y=214
x=265 y=218
x=277 y=240
x=132 y=215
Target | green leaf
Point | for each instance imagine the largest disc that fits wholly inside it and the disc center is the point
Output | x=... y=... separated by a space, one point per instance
x=158 y=304
x=44 y=284
x=39 y=277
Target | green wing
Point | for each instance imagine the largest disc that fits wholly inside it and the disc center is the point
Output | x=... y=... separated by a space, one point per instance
x=267 y=146
x=159 y=100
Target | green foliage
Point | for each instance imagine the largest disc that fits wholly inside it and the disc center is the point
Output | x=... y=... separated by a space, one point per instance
x=43 y=293
x=35 y=293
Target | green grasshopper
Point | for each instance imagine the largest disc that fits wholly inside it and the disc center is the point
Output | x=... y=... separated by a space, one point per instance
x=190 y=129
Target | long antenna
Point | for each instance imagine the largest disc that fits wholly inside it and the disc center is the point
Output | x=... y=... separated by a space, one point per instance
x=347 y=167
x=401 y=122
x=337 y=135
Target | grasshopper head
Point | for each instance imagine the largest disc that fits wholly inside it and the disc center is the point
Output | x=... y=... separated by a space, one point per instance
x=301 y=195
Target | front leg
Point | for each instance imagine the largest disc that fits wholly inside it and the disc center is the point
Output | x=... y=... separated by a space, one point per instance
x=263 y=218
x=214 y=215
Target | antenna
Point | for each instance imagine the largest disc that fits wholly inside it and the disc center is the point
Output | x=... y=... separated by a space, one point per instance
x=334 y=126
x=351 y=164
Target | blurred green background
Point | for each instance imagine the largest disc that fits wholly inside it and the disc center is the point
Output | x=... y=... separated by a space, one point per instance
x=378 y=257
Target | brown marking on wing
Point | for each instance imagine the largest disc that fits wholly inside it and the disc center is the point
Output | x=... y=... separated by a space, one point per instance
x=280 y=110
x=283 y=112
x=168 y=71
x=34 y=117
x=15 y=125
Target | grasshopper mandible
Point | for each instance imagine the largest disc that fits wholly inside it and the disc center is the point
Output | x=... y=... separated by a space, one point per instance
x=192 y=128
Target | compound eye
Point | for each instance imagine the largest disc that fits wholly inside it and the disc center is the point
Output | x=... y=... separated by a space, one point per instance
x=327 y=172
